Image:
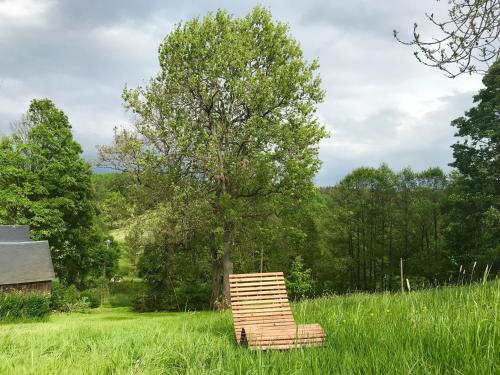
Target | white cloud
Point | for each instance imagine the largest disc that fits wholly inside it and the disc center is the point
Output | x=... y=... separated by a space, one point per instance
x=395 y=137
x=24 y=12
x=129 y=40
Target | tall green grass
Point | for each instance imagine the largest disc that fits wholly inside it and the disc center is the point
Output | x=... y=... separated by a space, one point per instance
x=446 y=330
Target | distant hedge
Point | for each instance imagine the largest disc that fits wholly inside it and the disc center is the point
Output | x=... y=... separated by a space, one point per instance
x=18 y=305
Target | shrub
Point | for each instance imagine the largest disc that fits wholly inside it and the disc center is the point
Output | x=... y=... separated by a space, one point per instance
x=299 y=282
x=193 y=295
x=188 y=295
x=68 y=299
x=149 y=300
x=121 y=300
x=19 y=305
x=57 y=295
x=81 y=305
x=124 y=292
x=63 y=296
x=92 y=296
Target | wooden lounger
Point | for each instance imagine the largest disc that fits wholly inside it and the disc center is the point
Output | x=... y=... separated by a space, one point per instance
x=262 y=315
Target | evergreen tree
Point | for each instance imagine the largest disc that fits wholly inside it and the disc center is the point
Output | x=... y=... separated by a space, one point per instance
x=474 y=203
x=44 y=182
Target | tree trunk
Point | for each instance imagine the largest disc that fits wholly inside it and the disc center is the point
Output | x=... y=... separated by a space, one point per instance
x=391 y=261
x=227 y=265
x=434 y=215
x=216 y=275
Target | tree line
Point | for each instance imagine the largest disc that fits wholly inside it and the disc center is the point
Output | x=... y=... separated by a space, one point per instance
x=380 y=217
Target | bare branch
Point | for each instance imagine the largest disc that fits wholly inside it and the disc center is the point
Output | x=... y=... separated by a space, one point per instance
x=470 y=36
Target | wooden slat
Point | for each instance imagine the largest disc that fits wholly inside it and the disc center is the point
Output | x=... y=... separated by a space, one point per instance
x=262 y=308
x=290 y=345
x=260 y=301
x=258 y=291
x=246 y=275
x=299 y=330
x=276 y=336
x=295 y=329
x=256 y=298
x=257 y=301
x=271 y=341
x=251 y=282
x=261 y=314
x=255 y=340
x=269 y=325
x=257 y=294
x=252 y=339
x=266 y=315
x=283 y=347
x=264 y=312
x=257 y=320
x=237 y=293
x=273 y=336
x=267 y=309
x=277 y=288
x=285 y=322
x=260 y=286
x=255 y=280
x=265 y=321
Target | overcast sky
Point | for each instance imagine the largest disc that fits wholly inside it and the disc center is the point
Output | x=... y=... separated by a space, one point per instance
x=380 y=106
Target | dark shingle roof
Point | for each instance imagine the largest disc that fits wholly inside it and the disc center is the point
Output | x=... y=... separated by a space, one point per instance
x=25 y=262
x=14 y=233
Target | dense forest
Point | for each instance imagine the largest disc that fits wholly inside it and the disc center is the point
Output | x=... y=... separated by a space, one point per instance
x=216 y=176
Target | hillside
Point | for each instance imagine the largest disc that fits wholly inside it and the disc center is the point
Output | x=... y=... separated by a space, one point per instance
x=447 y=330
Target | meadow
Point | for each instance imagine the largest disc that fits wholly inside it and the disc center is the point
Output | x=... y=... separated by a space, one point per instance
x=452 y=330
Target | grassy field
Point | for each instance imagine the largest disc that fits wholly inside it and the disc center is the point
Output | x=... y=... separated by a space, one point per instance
x=449 y=330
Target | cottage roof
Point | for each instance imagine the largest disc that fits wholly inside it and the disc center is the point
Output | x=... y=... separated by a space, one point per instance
x=25 y=262
x=14 y=233
x=21 y=260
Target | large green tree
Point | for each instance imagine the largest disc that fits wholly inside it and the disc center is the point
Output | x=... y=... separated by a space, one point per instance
x=231 y=114
x=474 y=203
x=44 y=182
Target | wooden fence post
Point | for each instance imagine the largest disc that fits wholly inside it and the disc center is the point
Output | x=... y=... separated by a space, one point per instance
x=401 y=268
